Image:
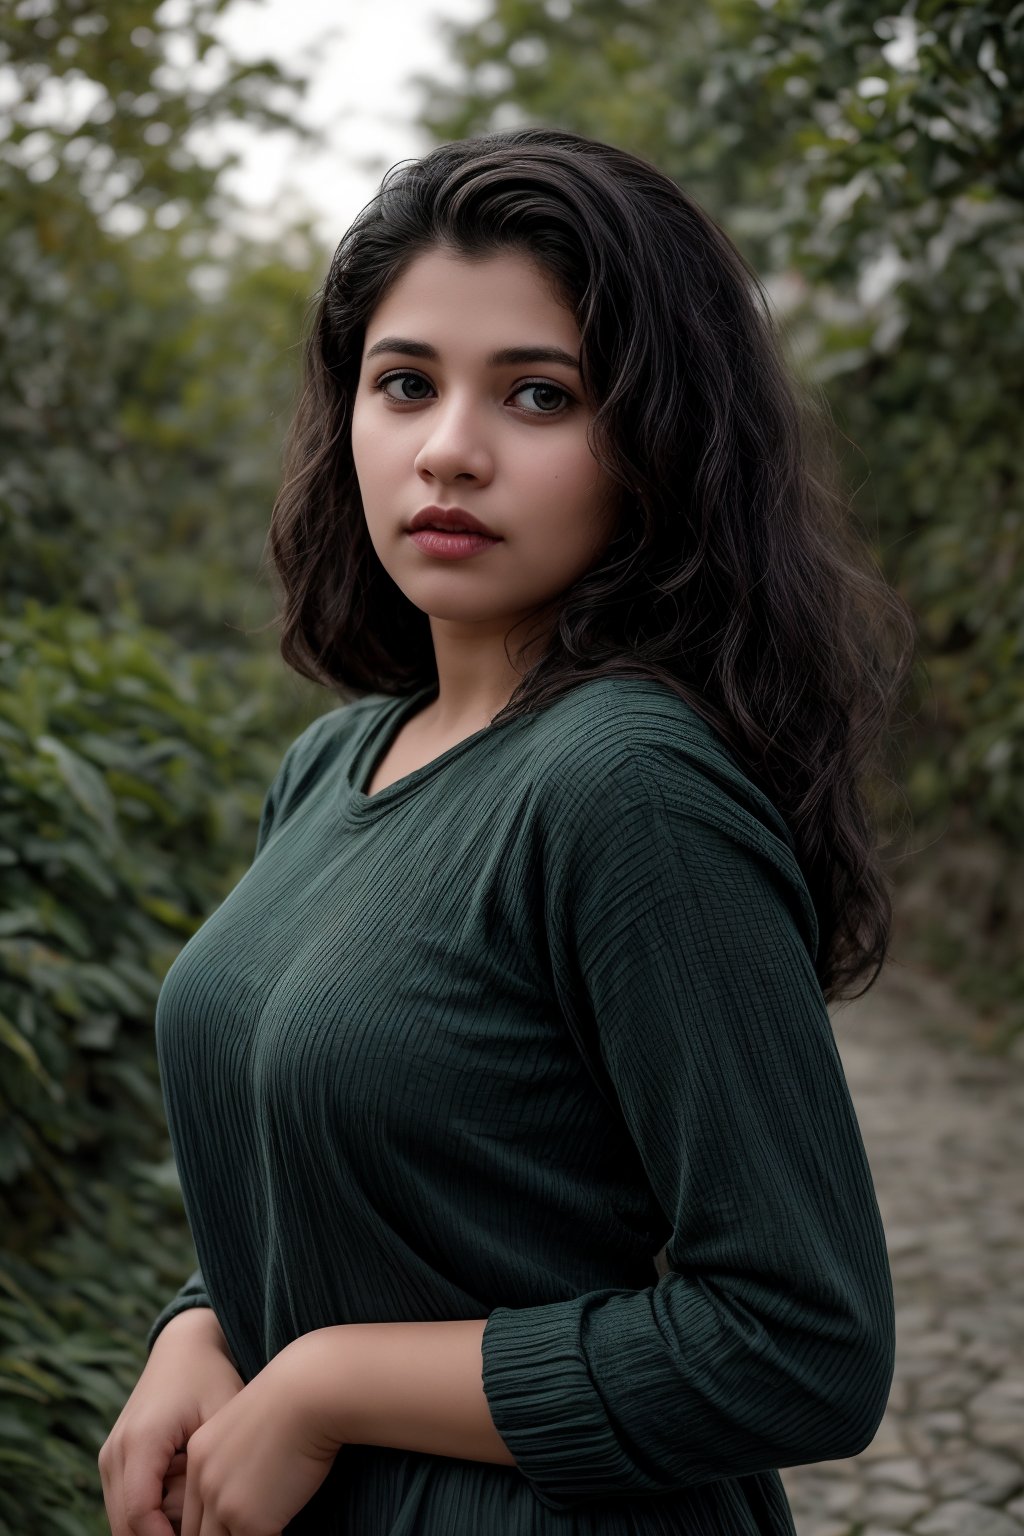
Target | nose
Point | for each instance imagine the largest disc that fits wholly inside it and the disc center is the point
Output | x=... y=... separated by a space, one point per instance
x=455 y=445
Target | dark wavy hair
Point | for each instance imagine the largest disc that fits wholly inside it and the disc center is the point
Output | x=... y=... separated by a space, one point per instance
x=733 y=576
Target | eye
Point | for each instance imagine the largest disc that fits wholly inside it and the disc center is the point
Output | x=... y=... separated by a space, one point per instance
x=545 y=407
x=394 y=378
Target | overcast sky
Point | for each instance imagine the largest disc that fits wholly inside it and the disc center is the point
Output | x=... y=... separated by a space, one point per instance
x=363 y=53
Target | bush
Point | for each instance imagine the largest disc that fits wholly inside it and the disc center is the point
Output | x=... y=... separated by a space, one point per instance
x=132 y=780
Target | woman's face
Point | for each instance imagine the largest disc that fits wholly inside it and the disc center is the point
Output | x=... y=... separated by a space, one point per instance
x=440 y=421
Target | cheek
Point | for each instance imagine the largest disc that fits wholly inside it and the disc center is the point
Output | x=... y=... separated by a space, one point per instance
x=559 y=467
x=372 y=452
x=573 y=526
x=587 y=488
x=360 y=440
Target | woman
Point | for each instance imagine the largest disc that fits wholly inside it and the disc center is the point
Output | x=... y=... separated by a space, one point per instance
x=528 y=978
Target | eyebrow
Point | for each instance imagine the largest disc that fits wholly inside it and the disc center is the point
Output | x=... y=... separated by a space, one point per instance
x=499 y=359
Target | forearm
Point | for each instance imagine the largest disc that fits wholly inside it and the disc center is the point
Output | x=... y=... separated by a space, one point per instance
x=195 y=1323
x=414 y=1386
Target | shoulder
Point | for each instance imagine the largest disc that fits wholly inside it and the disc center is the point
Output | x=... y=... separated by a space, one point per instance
x=635 y=777
x=614 y=742
x=599 y=710
x=317 y=746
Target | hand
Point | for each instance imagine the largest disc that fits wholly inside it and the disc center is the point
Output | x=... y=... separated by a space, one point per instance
x=189 y=1375
x=174 y=1490
x=261 y=1458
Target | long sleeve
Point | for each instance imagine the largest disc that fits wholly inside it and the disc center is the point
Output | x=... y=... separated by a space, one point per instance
x=682 y=940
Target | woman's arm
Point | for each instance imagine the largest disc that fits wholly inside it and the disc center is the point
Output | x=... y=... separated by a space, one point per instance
x=416 y=1386
x=682 y=938
x=191 y=1297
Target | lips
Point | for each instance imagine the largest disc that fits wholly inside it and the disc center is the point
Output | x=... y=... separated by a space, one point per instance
x=450 y=520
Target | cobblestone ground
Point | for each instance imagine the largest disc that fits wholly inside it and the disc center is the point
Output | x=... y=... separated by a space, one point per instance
x=944 y=1132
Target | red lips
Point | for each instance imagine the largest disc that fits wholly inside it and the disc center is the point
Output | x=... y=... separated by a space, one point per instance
x=450 y=520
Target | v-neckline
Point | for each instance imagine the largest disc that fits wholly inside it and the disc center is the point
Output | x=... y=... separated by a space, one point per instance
x=382 y=729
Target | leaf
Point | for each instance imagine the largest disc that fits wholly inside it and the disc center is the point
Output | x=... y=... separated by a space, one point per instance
x=85 y=782
x=97 y=1031
x=21 y=920
x=16 y=1042
x=11 y=1367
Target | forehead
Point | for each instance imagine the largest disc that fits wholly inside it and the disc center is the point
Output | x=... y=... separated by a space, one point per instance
x=486 y=299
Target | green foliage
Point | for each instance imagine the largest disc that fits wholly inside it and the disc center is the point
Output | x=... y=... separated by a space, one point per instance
x=149 y=81
x=131 y=778
x=140 y=420
x=150 y=356
x=868 y=161
x=126 y=766
x=71 y=1319
x=148 y=363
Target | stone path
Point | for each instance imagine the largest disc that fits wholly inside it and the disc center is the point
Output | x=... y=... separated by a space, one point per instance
x=944 y=1132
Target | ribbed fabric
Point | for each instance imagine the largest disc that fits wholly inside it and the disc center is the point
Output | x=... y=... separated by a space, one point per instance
x=478 y=1045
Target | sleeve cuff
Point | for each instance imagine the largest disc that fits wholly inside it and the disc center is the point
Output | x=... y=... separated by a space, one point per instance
x=177 y=1304
x=547 y=1409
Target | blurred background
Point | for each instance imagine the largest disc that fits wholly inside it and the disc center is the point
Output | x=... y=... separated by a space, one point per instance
x=173 y=180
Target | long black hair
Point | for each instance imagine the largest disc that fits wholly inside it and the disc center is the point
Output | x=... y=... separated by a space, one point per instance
x=734 y=574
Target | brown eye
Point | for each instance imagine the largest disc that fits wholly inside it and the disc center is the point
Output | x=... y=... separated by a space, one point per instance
x=403 y=378
x=549 y=399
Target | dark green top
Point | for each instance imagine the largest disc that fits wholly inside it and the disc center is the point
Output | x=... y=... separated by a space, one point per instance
x=479 y=1045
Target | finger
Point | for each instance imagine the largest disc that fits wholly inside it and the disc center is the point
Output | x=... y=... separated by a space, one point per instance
x=175 y=1520
x=176 y=1467
x=113 y=1499
x=143 y=1492
x=192 y=1509
x=174 y=1498
x=211 y=1526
